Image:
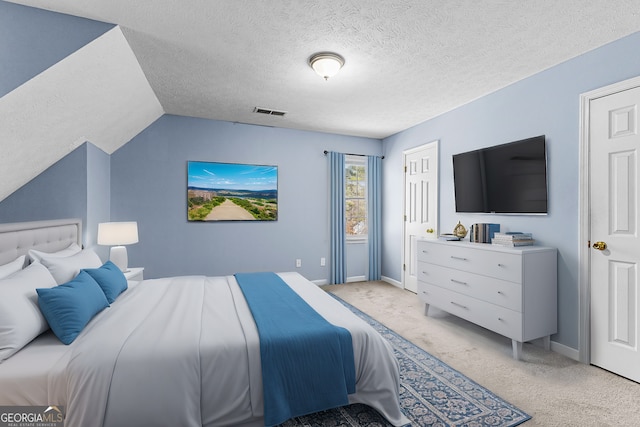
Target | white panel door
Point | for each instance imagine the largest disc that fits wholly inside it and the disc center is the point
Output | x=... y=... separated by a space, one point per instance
x=420 y=210
x=615 y=246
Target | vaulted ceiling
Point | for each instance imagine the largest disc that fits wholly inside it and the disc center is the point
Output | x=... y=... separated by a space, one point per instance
x=406 y=60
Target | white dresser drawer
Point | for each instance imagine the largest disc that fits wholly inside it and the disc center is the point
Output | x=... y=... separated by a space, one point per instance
x=501 y=265
x=498 y=319
x=500 y=292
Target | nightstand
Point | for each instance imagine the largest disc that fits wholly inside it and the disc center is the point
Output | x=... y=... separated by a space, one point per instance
x=135 y=274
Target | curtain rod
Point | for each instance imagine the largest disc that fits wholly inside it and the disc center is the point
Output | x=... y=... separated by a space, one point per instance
x=352 y=154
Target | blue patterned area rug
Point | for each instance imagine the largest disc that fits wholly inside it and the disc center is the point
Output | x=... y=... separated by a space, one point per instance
x=431 y=394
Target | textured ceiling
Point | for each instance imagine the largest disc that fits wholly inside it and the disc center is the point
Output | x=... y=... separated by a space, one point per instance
x=406 y=60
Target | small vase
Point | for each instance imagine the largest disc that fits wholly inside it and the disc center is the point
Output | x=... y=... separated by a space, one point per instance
x=460 y=231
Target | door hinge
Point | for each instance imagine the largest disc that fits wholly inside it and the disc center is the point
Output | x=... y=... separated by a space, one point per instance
x=405 y=169
x=405 y=218
x=404 y=267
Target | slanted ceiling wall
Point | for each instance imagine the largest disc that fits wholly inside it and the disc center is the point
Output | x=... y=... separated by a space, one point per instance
x=93 y=92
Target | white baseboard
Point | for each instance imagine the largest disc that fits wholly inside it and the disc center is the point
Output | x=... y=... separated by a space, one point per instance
x=392 y=282
x=564 y=350
x=556 y=347
x=321 y=282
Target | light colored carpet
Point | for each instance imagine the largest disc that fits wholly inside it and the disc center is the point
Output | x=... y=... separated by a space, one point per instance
x=553 y=389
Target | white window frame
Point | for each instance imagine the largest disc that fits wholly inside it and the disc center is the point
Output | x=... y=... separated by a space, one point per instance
x=358 y=161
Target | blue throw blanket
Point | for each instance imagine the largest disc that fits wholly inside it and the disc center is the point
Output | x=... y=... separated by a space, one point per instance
x=307 y=363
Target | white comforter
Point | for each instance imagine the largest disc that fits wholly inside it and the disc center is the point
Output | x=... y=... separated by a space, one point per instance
x=184 y=351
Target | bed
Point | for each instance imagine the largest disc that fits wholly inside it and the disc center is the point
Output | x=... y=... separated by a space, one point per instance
x=171 y=351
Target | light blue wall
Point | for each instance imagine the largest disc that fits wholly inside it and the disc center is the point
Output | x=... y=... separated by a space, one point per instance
x=31 y=40
x=58 y=192
x=357 y=257
x=546 y=103
x=148 y=185
x=98 y=196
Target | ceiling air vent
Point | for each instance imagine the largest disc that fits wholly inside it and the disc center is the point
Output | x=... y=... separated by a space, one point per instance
x=269 y=112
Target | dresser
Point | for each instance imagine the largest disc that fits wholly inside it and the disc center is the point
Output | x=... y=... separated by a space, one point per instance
x=511 y=291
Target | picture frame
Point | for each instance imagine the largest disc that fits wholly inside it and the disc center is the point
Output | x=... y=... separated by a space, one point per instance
x=219 y=191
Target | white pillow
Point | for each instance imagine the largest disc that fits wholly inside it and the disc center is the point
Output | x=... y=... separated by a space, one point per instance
x=20 y=317
x=72 y=249
x=64 y=269
x=11 y=267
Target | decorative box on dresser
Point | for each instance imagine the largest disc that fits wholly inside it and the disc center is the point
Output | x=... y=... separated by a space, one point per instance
x=511 y=291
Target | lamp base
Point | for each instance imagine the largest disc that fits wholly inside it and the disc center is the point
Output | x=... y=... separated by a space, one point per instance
x=118 y=256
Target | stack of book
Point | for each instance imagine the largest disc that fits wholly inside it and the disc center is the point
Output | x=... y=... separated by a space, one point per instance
x=512 y=239
x=483 y=233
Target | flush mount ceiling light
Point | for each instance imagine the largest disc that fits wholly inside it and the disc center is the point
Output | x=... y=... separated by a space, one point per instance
x=326 y=64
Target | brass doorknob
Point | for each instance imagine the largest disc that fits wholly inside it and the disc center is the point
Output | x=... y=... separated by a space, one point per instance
x=429 y=230
x=601 y=246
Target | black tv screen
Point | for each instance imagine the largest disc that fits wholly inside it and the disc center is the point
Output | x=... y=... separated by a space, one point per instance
x=508 y=178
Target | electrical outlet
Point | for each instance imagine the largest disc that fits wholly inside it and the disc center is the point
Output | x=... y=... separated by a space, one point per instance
x=323 y=262
x=298 y=263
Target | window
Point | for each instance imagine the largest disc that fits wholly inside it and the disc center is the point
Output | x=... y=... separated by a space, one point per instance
x=356 y=197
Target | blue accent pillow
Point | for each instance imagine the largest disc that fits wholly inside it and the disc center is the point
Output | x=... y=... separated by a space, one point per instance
x=70 y=306
x=110 y=279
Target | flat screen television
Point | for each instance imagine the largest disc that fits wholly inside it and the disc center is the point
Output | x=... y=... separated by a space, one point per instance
x=504 y=179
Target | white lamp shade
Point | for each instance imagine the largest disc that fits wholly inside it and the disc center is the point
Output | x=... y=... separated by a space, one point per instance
x=326 y=64
x=117 y=233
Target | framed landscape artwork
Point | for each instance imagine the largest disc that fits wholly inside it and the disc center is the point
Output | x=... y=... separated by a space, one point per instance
x=231 y=192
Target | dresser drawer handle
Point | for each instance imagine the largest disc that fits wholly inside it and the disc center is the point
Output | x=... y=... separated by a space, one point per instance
x=500 y=293
x=501 y=265
x=459 y=282
x=459 y=305
x=458 y=258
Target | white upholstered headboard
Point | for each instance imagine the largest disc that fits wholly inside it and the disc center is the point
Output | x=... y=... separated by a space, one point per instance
x=47 y=236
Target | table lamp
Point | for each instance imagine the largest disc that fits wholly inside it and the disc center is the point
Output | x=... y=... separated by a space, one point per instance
x=116 y=235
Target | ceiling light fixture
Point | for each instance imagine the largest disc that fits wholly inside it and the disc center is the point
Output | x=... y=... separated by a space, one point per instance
x=326 y=64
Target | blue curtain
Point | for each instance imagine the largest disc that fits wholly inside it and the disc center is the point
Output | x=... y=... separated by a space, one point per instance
x=374 y=207
x=337 y=218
